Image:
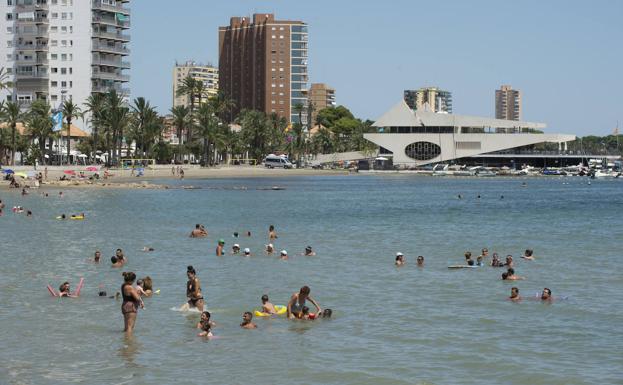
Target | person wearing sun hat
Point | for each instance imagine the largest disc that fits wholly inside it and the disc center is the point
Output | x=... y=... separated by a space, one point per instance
x=219 y=247
x=235 y=249
x=400 y=259
x=247 y=252
x=284 y=255
x=270 y=249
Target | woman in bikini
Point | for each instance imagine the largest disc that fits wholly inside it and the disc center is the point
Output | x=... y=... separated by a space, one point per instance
x=131 y=302
x=297 y=301
x=193 y=290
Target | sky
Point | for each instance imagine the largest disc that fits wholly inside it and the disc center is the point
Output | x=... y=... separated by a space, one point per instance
x=566 y=57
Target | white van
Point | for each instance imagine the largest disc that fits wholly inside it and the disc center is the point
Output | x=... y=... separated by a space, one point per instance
x=272 y=161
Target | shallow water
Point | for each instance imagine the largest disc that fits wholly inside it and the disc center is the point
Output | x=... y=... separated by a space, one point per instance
x=410 y=325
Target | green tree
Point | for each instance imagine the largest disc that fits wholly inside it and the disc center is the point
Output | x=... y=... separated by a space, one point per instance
x=39 y=125
x=95 y=105
x=255 y=132
x=116 y=120
x=5 y=84
x=70 y=112
x=181 y=121
x=13 y=115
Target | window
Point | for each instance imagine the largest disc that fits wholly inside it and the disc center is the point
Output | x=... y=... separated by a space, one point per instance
x=10 y=2
x=54 y=29
x=53 y=56
x=53 y=43
x=54 y=15
x=9 y=29
x=54 y=70
x=63 y=84
x=54 y=98
x=64 y=43
x=71 y=70
x=9 y=16
x=63 y=29
x=64 y=16
x=64 y=71
x=54 y=84
x=64 y=57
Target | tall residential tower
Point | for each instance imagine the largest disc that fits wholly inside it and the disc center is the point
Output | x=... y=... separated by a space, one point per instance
x=205 y=73
x=57 y=50
x=263 y=65
x=507 y=103
x=436 y=99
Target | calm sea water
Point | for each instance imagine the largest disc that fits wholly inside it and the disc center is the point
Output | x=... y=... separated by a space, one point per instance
x=410 y=325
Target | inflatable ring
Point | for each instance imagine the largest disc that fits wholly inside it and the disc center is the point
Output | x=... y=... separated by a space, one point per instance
x=76 y=217
x=280 y=311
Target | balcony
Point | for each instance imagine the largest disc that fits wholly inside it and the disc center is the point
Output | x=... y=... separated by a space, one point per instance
x=97 y=4
x=37 y=19
x=115 y=49
x=112 y=36
x=38 y=32
x=110 y=76
x=101 y=88
x=32 y=61
x=40 y=5
x=31 y=75
x=98 y=19
x=111 y=63
x=32 y=46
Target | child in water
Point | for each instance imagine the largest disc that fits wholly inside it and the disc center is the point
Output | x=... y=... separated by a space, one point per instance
x=205 y=325
x=267 y=307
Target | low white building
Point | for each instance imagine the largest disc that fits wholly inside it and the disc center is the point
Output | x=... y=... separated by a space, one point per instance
x=414 y=138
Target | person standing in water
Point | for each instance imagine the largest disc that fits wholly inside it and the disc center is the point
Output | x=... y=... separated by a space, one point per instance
x=272 y=234
x=205 y=325
x=219 y=248
x=297 y=301
x=193 y=290
x=247 y=321
x=97 y=256
x=131 y=302
x=515 y=297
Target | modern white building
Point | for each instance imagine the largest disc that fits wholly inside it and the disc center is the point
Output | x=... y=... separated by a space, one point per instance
x=64 y=49
x=414 y=138
x=205 y=73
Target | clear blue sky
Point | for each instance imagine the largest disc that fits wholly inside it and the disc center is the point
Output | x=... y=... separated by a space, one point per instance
x=565 y=56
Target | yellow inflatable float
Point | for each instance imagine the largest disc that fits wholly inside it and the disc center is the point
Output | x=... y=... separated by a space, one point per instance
x=280 y=311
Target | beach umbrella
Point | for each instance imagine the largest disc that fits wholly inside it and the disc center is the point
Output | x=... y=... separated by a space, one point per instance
x=69 y=172
x=8 y=171
x=92 y=168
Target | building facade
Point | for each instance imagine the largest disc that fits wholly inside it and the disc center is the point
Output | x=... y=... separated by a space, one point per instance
x=58 y=50
x=263 y=65
x=415 y=138
x=320 y=96
x=507 y=103
x=429 y=98
x=205 y=73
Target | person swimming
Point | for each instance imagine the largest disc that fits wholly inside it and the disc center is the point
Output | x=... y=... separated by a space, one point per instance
x=116 y=262
x=419 y=261
x=270 y=249
x=247 y=252
x=326 y=313
x=97 y=256
x=199 y=232
x=283 y=255
x=528 y=254
x=484 y=253
x=219 y=247
x=546 y=295
x=515 y=294
x=144 y=287
x=272 y=234
x=509 y=261
x=247 y=321
x=298 y=300
x=193 y=289
x=267 y=307
x=235 y=249
x=400 y=259
x=205 y=325
x=64 y=290
x=147 y=249
x=510 y=275
x=479 y=261
x=120 y=256
x=495 y=261
x=309 y=252
x=468 y=258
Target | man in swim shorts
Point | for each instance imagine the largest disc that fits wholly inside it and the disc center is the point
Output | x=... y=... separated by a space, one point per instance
x=199 y=232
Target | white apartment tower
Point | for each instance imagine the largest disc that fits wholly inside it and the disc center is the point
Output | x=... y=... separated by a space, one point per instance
x=205 y=73
x=61 y=49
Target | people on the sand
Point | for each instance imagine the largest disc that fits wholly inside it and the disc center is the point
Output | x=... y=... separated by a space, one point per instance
x=193 y=290
x=131 y=301
x=528 y=254
x=283 y=255
x=219 y=248
x=420 y=261
x=97 y=256
x=205 y=325
x=247 y=321
x=309 y=252
x=272 y=234
x=298 y=300
x=267 y=306
x=235 y=249
x=515 y=294
x=546 y=295
x=510 y=275
x=400 y=259
x=199 y=232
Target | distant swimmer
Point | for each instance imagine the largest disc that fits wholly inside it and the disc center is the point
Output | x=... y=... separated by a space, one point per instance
x=120 y=256
x=283 y=255
x=515 y=294
x=478 y=196
x=468 y=258
x=510 y=275
x=309 y=252
x=235 y=249
x=270 y=249
x=24 y=192
x=62 y=216
x=524 y=184
x=97 y=256
x=193 y=290
x=219 y=248
x=272 y=234
x=298 y=300
x=247 y=321
x=247 y=252
x=509 y=261
x=495 y=261
x=235 y=235
x=326 y=313
x=546 y=295
x=1 y=204
x=77 y=216
x=147 y=249
x=479 y=261
x=528 y=254
x=248 y=233
x=484 y=253
x=306 y=315
x=29 y=213
x=419 y=261
x=205 y=325
x=199 y=232
x=400 y=259
x=501 y=196
x=459 y=196
x=267 y=307
x=131 y=302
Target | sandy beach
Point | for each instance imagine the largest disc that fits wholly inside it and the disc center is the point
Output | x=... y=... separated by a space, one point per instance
x=123 y=178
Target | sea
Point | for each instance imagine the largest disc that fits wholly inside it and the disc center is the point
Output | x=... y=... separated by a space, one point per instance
x=407 y=325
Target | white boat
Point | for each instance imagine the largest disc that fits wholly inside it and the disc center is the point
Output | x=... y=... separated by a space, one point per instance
x=606 y=174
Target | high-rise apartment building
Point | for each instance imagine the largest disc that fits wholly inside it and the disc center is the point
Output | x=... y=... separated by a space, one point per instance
x=437 y=100
x=205 y=73
x=320 y=96
x=64 y=49
x=507 y=103
x=263 y=64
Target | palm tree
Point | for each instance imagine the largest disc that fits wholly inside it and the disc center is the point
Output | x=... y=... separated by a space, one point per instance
x=208 y=124
x=255 y=132
x=181 y=120
x=142 y=112
x=223 y=105
x=40 y=125
x=13 y=115
x=70 y=112
x=188 y=89
x=116 y=118
x=95 y=106
x=5 y=84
